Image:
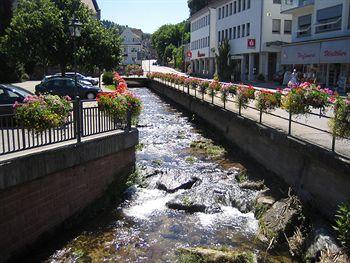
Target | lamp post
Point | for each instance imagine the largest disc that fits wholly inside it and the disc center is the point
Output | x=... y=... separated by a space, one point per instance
x=75 y=31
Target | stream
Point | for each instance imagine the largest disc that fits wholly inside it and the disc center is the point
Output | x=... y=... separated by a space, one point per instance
x=181 y=198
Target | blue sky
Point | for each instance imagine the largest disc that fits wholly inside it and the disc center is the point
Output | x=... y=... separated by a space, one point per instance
x=147 y=15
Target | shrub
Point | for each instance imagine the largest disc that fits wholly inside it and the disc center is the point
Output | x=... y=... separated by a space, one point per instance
x=107 y=78
x=340 y=123
x=244 y=95
x=342 y=224
x=25 y=77
x=260 y=77
x=267 y=100
x=40 y=113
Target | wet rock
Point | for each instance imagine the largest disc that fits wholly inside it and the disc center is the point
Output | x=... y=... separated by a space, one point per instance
x=209 y=196
x=280 y=220
x=257 y=186
x=320 y=240
x=130 y=192
x=207 y=255
x=171 y=185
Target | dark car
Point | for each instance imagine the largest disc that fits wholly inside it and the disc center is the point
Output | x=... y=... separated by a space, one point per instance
x=64 y=86
x=80 y=77
x=9 y=95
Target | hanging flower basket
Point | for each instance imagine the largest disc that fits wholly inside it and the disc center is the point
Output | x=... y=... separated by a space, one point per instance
x=244 y=95
x=267 y=100
x=40 y=113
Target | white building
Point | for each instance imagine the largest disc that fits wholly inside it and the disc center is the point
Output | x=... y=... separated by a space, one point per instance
x=255 y=29
x=131 y=47
x=321 y=40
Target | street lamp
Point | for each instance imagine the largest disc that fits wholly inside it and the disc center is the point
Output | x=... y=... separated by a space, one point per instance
x=75 y=31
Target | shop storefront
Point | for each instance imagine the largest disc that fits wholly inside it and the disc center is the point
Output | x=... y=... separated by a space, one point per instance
x=325 y=62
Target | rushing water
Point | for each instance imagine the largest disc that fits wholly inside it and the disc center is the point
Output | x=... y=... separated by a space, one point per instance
x=143 y=228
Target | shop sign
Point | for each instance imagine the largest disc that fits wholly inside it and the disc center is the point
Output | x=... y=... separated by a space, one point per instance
x=335 y=51
x=301 y=54
x=251 y=43
x=200 y=55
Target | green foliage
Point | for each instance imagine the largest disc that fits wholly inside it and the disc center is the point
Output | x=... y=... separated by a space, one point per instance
x=167 y=38
x=209 y=149
x=242 y=177
x=342 y=224
x=223 y=61
x=261 y=77
x=107 y=78
x=39 y=34
x=190 y=160
x=340 y=124
x=196 y=5
x=260 y=209
x=40 y=113
x=5 y=14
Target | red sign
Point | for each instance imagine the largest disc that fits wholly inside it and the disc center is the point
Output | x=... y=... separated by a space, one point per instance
x=189 y=54
x=200 y=55
x=304 y=55
x=251 y=43
x=334 y=53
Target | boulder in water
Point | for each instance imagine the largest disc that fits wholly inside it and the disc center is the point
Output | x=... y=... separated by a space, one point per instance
x=172 y=182
x=257 y=186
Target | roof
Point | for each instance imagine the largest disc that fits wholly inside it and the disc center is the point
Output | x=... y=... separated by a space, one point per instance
x=92 y=4
x=137 y=32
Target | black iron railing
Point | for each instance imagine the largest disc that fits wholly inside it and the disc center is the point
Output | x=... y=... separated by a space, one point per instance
x=85 y=120
x=292 y=122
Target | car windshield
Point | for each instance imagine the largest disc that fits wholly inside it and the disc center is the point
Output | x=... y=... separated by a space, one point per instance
x=22 y=92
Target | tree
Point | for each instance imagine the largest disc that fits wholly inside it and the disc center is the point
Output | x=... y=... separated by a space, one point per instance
x=167 y=35
x=39 y=34
x=5 y=15
x=223 y=60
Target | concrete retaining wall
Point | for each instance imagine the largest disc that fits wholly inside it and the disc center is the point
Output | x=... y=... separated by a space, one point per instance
x=317 y=175
x=40 y=191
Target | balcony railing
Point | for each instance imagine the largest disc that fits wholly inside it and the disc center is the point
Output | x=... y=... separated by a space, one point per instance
x=288 y=5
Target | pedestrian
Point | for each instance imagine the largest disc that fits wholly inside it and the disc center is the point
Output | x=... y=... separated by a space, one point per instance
x=293 y=82
x=286 y=77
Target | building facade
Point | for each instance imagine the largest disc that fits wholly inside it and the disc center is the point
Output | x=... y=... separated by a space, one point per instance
x=255 y=30
x=321 y=40
x=131 y=47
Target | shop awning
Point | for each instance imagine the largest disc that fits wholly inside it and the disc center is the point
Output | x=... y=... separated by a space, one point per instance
x=331 y=51
x=275 y=43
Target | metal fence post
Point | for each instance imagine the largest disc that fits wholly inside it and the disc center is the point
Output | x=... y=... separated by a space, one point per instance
x=261 y=113
x=78 y=118
x=333 y=143
x=128 y=121
x=240 y=109
x=212 y=98
x=224 y=103
x=290 y=124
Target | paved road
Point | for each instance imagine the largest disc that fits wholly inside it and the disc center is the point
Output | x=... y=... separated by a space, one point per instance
x=147 y=64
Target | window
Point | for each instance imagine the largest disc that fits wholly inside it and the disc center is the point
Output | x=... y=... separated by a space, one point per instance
x=234 y=33
x=222 y=35
x=287 y=26
x=219 y=37
x=223 y=12
x=235 y=7
x=243 y=30
x=243 y=5
x=238 y=31
x=239 y=5
x=231 y=9
x=230 y=33
x=304 y=26
x=277 y=1
x=329 y=19
x=248 y=29
x=276 y=26
x=226 y=10
x=219 y=13
x=226 y=34
x=248 y=4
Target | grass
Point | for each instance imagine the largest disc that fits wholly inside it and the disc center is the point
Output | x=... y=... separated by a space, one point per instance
x=110 y=87
x=140 y=147
x=242 y=177
x=209 y=149
x=190 y=160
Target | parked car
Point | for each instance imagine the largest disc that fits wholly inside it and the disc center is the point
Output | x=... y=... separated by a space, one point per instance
x=80 y=77
x=278 y=76
x=9 y=95
x=64 y=86
x=46 y=78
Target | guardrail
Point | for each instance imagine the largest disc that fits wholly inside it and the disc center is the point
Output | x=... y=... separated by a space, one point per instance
x=85 y=120
x=290 y=125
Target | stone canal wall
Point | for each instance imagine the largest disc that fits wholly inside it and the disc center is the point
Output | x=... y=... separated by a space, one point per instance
x=319 y=177
x=40 y=191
